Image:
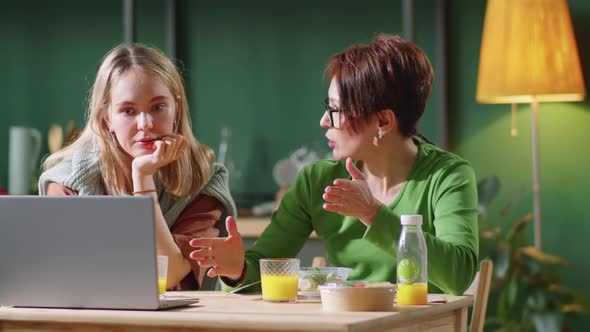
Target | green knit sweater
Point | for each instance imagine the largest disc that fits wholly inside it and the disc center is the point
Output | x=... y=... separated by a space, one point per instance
x=441 y=187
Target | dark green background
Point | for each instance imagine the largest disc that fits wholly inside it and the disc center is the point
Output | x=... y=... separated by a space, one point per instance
x=256 y=67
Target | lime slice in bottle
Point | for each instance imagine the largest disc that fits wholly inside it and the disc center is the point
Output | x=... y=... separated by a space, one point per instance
x=408 y=271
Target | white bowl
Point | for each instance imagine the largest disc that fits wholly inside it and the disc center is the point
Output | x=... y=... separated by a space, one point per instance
x=362 y=297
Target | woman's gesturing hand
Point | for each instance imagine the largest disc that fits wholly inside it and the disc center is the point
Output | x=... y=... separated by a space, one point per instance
x=225 y=256
x=166 y=150
x=352 y=197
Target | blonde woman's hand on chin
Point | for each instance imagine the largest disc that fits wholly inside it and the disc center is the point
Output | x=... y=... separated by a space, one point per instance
x=352 y=197
x=224 y=255
x=166 y=150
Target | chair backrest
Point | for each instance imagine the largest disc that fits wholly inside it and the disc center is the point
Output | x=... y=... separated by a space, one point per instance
x=480 y=290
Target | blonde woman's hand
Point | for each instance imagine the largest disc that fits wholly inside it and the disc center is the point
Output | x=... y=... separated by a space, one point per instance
x=166 y=150
x=352 y=197
x=224 y=256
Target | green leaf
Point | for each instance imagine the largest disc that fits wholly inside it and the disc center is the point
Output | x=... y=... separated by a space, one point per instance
x=499 y=325
x=534 y=266
x=559 y=289
x=573 y=308
x=503 y=309
x=545 y=278
x=492 y=322
x=548 y=321
x=487 y=190
x=517 y=235
x=502 y=325
x=512 y=292
x=489 y=232
x=502 y=264
x=513 y=202
x=537 y=300
x=511 y=327
x=542 y=257
x=583 y=301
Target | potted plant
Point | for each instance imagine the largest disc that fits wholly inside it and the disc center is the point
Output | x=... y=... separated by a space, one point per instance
x=527 y=293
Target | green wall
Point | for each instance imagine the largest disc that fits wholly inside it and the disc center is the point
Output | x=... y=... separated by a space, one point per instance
x=256 y=67
x=50 y=54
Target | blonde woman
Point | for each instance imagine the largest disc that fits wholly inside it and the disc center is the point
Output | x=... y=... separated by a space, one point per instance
x=138 y=140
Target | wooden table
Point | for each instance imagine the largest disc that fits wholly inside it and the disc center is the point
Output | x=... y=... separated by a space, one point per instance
x=218 y=312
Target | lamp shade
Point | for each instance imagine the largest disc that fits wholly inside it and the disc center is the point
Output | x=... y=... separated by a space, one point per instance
x=528 y=52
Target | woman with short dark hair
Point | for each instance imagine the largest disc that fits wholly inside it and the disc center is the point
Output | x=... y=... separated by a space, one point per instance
x=382 y=169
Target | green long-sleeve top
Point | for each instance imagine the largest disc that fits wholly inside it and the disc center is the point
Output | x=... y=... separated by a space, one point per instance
x=441 y=187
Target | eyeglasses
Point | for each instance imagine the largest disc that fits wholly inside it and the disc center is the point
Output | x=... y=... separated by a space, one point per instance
x=331 y=112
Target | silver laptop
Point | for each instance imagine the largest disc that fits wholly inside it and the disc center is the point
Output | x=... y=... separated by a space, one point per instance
x=80 y=252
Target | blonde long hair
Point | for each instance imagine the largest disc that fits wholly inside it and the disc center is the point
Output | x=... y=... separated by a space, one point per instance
x=184 y=176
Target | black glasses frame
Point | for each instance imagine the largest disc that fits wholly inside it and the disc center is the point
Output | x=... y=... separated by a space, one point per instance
x=330 y=112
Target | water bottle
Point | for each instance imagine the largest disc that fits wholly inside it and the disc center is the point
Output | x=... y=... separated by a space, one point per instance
x=226 y=156
x=412 y=263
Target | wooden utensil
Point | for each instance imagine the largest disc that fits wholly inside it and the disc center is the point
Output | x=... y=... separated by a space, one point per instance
x=72 y=133
x=55 y=138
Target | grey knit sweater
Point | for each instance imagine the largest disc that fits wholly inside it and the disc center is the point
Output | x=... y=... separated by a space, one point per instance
x=82 y=174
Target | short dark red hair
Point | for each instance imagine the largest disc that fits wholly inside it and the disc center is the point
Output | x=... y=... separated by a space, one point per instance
x=388 y=73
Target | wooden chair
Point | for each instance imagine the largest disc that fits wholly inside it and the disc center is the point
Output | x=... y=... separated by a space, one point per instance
x=480 y=290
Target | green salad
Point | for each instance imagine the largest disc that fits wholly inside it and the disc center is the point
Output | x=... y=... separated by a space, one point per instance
x=311 y=278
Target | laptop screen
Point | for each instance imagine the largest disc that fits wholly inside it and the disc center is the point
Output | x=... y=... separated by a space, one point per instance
x=78 y=252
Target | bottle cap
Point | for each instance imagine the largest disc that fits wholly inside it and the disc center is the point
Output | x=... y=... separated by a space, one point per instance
x=411 y=219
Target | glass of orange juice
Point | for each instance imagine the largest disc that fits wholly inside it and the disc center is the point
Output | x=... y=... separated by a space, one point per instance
x=162 y=273
x=412 y=294
x=279 y=278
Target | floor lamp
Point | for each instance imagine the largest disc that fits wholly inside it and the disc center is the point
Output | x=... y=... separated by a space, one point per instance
x=529 y=55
